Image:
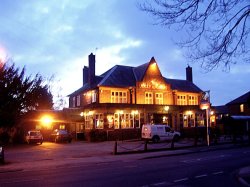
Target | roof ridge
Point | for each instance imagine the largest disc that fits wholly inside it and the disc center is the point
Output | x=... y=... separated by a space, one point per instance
x=175 y=79
x=236 y=100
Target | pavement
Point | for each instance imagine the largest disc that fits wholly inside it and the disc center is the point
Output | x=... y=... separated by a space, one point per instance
x=102 y=152
x=244 y=176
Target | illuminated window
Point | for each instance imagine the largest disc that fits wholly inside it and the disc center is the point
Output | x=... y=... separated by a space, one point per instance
x=78 y=100
x=116 y=121
x=181 y=100
x=137 y=120
x=159 y=98
x=189 y=120
x=62 y=127
x=110 y=119
x=88 y=121
x=148 y=98
x=118 y=97
x=126 y=120
x=93 y=96
x=192 y=100
x=99 y=122
x=242 y=108
x=200 y=120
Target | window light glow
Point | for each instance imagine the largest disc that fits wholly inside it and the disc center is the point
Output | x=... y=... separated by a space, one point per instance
x=134 y=112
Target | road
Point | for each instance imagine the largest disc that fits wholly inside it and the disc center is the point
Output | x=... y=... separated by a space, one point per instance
x=211 y=168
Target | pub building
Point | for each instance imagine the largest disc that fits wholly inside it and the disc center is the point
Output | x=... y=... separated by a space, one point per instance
x=118 y=102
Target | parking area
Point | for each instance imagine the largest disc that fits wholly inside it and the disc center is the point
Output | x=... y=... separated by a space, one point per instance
x=50 y=154
x=51 y=150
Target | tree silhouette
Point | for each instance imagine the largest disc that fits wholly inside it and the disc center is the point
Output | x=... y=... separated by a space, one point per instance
x=20 y=94
x=216 y=31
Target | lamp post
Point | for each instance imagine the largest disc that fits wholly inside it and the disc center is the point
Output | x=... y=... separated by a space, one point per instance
x=206 y=106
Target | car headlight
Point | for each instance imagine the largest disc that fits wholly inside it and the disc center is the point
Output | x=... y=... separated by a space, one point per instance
x=1 y=149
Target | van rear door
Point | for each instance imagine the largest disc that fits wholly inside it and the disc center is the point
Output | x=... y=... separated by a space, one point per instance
x=146 y=132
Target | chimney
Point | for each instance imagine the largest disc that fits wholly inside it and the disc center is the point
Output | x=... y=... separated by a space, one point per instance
x=91 y=69
x=189 y=74
x=85 y=72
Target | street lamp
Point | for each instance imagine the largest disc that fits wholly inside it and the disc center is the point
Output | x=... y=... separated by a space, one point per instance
x=206 y=106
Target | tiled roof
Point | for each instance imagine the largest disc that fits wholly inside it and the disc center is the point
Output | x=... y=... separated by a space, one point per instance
x=119 y=76
x=80 y=90
x=183 y=85
x=223 y=109
x=242 y=99
x=139 y=71
x=126 y=76
x=86 y=86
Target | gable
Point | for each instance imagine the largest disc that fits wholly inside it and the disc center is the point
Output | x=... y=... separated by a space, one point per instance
x=152 y=77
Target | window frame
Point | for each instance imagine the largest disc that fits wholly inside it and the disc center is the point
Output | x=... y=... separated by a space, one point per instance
x=119 y=97
x=149 y=100
x=159 y=100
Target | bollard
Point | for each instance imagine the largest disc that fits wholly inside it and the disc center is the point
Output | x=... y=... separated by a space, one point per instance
x=145 y=145
x=115 y=148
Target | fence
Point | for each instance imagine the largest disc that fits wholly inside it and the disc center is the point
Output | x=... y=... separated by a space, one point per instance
x=137 y=146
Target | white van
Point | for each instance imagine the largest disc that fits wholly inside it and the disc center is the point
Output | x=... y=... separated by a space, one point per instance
x=158 y=133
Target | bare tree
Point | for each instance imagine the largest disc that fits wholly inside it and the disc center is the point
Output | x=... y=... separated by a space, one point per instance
x=216 y=31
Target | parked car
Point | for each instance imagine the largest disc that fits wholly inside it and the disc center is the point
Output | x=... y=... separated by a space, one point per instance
x=1 y=154
x=34 y=136
x=159 y=132
x=60 y=135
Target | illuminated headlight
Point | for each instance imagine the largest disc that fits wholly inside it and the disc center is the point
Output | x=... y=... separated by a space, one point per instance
x=1 y=149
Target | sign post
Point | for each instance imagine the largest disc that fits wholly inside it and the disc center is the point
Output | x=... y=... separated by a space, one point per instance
x=205 y=105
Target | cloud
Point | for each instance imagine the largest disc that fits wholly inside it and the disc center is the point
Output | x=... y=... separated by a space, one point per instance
x=63 y=28
x=106 y=58
x=52 y=37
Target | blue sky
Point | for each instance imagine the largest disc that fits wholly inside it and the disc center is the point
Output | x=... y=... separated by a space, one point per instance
x=54 y=37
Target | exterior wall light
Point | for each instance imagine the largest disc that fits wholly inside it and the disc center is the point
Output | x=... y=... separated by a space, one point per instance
x=166 y=108
x=46 y=121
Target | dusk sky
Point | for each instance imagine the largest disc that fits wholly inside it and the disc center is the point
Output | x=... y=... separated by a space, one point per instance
x=55 y=37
